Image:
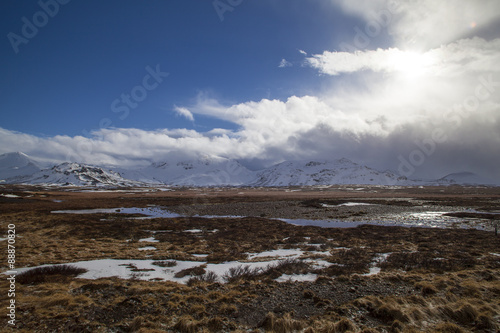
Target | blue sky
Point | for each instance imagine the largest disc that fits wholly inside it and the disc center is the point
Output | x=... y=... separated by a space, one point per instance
x=401 y=85
x=63 y=81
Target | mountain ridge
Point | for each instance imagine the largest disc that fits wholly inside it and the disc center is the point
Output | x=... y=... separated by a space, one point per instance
x=19 y=168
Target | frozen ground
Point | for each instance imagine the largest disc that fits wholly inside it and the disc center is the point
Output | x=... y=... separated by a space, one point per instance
x=148 y=270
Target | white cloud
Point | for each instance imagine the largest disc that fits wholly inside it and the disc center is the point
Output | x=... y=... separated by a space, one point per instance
x=284 y=63
x=423 y=24
x=465 y=55
x=184 y=113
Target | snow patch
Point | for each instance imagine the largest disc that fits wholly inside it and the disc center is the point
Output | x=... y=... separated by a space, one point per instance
x=297 y=277
x=147 y=248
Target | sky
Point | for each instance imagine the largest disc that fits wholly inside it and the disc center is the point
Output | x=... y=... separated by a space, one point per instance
x=408 y=86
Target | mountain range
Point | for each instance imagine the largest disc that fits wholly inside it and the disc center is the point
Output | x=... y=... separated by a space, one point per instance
x=19 y=168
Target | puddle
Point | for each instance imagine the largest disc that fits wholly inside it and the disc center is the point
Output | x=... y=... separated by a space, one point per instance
x=438 y=220
x=347 y=204
x=428 y=219
x=150 y=212
x=326 y=223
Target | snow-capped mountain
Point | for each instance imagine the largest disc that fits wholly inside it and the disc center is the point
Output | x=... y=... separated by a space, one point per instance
x=465 y=178
x=79 y=175
x=205 y=171
x=342 y=171
x=212 y=171
x=16 y=165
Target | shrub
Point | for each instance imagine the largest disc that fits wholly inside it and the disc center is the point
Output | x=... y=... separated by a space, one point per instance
x=241 y=272
x=286 y=266
x=208 y=277
x=42 y=274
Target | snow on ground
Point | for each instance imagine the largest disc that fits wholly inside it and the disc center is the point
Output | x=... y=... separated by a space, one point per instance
x=147 y=248
x=282 y=253
x=149 y=240
x=297 y=277
x=9 y=195
x=194 y=231
x=374 y=267
x=146 y=270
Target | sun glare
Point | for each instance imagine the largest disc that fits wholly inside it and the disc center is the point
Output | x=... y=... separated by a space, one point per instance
x=411 y=64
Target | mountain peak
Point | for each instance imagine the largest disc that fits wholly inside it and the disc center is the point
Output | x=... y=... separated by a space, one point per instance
x=17 y=164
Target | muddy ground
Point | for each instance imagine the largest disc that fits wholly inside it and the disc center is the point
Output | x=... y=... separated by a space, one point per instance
x=432 y=279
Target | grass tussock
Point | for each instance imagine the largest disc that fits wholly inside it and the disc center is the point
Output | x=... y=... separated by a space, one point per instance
x=48 y=274
x=285 y=324
x=429 y=261
x=186 y=324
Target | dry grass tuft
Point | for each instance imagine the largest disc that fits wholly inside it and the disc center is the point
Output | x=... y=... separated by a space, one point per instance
x=285 y=324
x=447 y=328
x=215 y=324
x=42 y=274
x=345 y=325
x=186 y=324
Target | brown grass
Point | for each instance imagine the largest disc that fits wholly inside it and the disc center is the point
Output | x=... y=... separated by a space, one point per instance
x=432 y=276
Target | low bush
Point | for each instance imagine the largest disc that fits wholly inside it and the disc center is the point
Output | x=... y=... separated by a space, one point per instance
x=48 y=273
x=208 y=277
x=286 y=266
x=241 y=273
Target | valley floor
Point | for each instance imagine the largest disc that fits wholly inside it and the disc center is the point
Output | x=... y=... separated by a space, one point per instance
x=304 y=259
